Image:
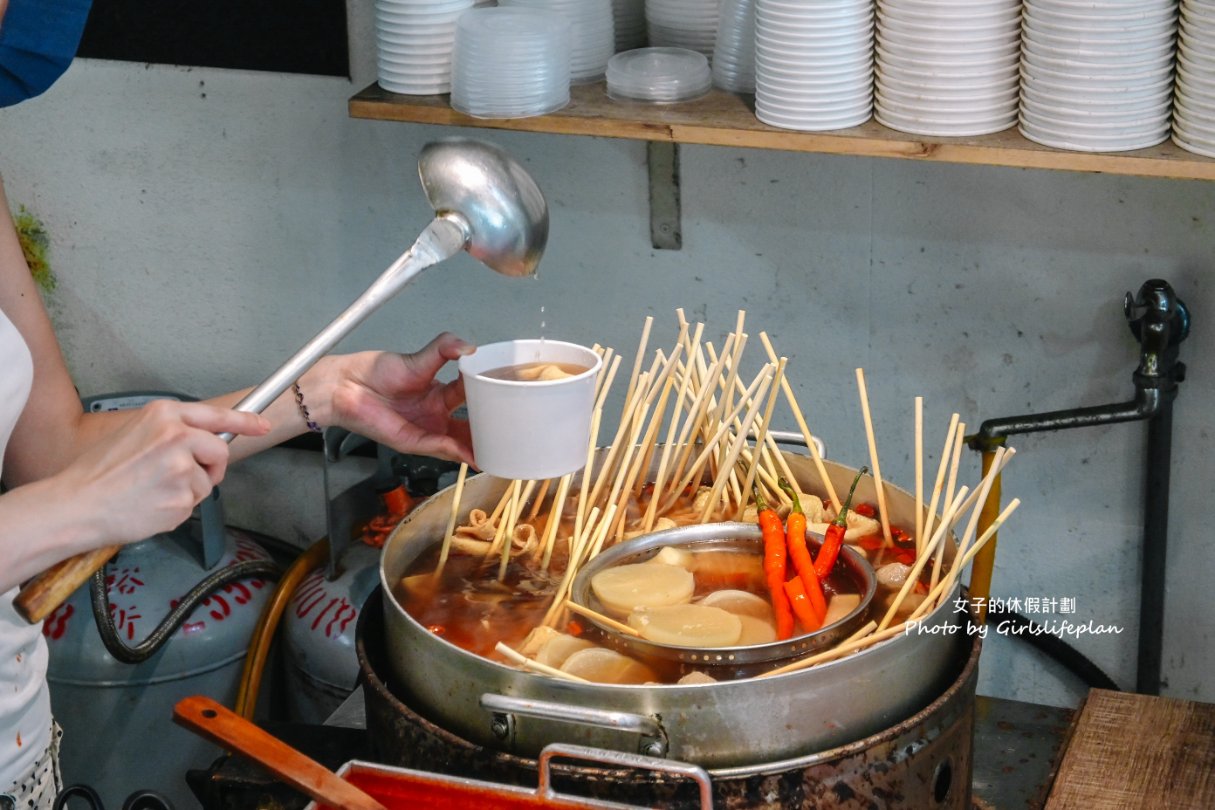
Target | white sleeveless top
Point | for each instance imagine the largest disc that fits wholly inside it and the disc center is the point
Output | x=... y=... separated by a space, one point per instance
x=25 y=705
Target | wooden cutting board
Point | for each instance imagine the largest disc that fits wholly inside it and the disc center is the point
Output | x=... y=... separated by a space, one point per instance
x=1131 y=750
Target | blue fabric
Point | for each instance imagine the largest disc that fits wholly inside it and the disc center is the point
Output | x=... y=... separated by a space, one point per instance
x=38 y=39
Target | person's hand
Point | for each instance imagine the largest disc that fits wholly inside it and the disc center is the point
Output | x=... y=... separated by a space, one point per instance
x=148 y=475
x=394 y=399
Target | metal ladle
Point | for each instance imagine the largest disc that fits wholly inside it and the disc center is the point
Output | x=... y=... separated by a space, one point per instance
x=484 y=203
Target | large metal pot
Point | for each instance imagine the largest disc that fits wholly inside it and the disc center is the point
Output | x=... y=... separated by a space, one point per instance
x=717 y=725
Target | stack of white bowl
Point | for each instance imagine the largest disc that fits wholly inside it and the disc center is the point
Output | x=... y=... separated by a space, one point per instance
x=1097 y=75
x=510 y=63
x=814 y=63
x=628 y=21
x=660 y=75
x=1194 y=94
x=688 y=24
x=734 y=50
x=947 y=67
x=594 y=41
x=414 y=41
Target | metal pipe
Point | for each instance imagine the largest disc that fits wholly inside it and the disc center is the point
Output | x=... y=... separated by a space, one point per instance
x=985 y=561
x=1155 y=540
x=1160 y=321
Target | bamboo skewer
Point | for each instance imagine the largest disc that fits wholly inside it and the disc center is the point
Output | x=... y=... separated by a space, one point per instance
x=609 y=462
x=621 y=486
x=946 y=584
x=1009 y=452
x=801 y=425
x=532 y=664
x=687 y=433
x=601 y=533
x=959 y=432
x=540 y=496
x=867 y=628
x=554 y=519
x=661 y=409
x=982 y=492
x=512 y=513
x=637 y=361
x=937 y=542
x=451 y=521
x=660 y=478
x=580 y=514
x=620 y=627
x=919 y=475
x=711 y=445
x=607 y=372
x=942 y=468
x=771 y=451
x=838 y=651
x=954 y=462
x=577 y=544
x=738 y=443
x=883 y=513
x=603 y=390
x=762 y=430
x=608 y=467
x=695 y=415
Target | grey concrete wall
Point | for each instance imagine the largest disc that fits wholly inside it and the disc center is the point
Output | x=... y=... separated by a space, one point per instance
x=206 y=223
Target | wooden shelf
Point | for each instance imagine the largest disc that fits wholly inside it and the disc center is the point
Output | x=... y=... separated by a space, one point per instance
x=726 y=119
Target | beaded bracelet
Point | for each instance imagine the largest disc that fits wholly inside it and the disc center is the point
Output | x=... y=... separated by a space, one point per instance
x=299 y=401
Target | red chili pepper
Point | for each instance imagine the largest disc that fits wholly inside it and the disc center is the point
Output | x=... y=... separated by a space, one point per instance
x=802 y=606
x=866 y=509
x=795 y=539
x=774 y=565
x=901 y=538
x=834 y=538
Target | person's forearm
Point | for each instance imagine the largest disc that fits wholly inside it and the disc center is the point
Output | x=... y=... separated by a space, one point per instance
x=39 y=526
x=284 y=413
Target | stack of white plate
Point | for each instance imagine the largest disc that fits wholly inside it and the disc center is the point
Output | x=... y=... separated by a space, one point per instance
x=414 y=40
x=947 y=67
x=1194 y=94
x=511 y=63
x=594 y=41
x=658 y=74
x=1097 y=75
x=688 y=24
x=814 y=63
x=628 y=21
x=734 y=50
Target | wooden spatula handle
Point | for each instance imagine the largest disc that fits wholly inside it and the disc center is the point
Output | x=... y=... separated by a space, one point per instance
x=50 y=589
x=220 y=725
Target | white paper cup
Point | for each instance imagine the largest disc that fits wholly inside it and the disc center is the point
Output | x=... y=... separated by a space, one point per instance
x=530 y=430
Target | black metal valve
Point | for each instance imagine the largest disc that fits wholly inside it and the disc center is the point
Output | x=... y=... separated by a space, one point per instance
x=1160 y=321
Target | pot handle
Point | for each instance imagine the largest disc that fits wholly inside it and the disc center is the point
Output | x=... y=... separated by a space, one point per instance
x=624 y=760
x=504 y=708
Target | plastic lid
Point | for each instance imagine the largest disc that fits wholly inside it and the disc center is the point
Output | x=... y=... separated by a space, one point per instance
x=658 y=74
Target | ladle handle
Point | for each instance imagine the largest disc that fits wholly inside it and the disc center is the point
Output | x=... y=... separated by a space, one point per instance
x=41 y=595
x=445 y=236
x=216 y=723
